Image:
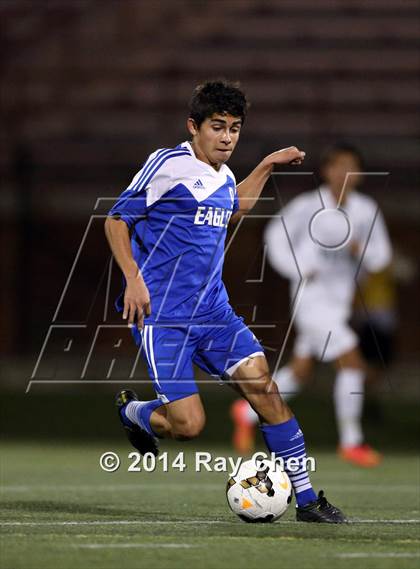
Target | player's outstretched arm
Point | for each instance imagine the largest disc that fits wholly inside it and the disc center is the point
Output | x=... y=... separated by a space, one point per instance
x=249 y=190
x=136 y=297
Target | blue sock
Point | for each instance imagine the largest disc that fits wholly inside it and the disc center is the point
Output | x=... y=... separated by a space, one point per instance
x=138 y=412
x=286 y=441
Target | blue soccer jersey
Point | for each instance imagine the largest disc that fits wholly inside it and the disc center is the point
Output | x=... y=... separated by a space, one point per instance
x=178 y=208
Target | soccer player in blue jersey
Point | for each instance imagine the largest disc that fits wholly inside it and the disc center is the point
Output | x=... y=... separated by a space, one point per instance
x=167 y=233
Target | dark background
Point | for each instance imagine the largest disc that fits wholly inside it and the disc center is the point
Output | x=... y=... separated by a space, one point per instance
x=89 y=88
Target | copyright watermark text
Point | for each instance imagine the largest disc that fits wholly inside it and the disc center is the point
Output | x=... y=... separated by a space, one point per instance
x=200 y=461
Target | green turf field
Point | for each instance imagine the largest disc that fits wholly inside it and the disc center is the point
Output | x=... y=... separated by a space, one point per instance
x=60 y=510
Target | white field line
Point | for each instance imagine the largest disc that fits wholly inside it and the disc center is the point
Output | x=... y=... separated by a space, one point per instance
x=182 y=522
x=112 y=523
x=134 y=545
x=105 y=487
x=362 y=555
x=175 y=486
x=381 y=521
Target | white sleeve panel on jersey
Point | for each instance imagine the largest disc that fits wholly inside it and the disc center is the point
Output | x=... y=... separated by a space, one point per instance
x=173 y=172
x=132 y=204
x=289 y=249
x=159 y=184
x=378 y=251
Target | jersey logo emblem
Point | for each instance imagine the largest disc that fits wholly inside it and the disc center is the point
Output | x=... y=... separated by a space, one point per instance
x=199 y=185
x=296 y=435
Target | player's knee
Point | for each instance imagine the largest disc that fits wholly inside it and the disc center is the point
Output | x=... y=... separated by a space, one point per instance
x=188 y=429
x=302 y=369
x=267 y=400
x=265 y=385
x=352 y=359
x=270 y=406
x=302 y=374
x=255 y=376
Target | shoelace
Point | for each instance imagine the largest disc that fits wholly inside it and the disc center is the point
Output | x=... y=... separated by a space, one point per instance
x=323 y=503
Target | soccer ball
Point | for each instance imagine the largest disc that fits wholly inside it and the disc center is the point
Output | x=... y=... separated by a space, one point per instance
x=259 y=492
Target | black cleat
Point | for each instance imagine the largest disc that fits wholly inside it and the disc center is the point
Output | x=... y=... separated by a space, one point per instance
x=320 y=511
x=138 y=437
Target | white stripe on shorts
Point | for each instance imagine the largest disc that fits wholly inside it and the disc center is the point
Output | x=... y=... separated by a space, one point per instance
x=152 y=356
x=144 y=343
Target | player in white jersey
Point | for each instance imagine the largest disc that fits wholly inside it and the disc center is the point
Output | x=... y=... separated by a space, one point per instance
x=322 y=241
x=177 y=209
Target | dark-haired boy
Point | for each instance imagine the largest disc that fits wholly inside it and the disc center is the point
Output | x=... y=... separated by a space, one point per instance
x=178 y=207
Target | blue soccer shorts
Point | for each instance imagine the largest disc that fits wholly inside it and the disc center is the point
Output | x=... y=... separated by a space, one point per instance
x=218 y=348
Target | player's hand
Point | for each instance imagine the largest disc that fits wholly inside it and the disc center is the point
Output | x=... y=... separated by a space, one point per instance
x=136 y=301
x=291 y=155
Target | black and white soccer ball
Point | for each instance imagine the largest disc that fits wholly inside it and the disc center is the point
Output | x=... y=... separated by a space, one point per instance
x=259 y=492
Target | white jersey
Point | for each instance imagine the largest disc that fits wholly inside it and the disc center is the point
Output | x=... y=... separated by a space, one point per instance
x=327 y=275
